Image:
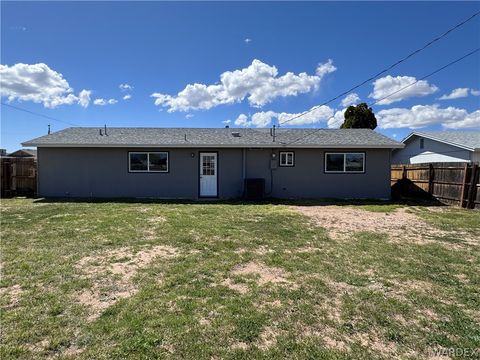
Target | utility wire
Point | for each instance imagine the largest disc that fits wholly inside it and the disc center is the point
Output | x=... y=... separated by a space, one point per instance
x=403 y=88
x=38 y=114
x=426 y=76
x=384 y=70
x=329 y=101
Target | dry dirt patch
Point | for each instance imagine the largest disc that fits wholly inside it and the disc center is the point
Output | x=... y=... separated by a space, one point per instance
x=157 y=219
x=241 y=288
x=265 y=274
x=14 y=294
x=112 y=272
x=331 y=308
x=342 y=221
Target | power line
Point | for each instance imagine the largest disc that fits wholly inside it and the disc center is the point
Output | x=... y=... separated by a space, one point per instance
x=38 y=114
x=424 y=77
x=403 y=88
x=384 y=70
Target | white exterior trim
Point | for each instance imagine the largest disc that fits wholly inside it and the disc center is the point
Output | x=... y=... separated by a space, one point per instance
x=286 y=164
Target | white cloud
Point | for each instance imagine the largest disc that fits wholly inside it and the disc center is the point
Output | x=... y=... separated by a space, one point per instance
x=471 y=120
x=127 y=97
x=337 y=120
x=475 y=92
x=425 y=115
x=84 y=98
x=189 y=116
x=350 y=99
x=226 y=121
x=318 y=114
x=265 y=118
x=325 y=68
x=38 y=83
x=262 y=118
x=455 y=94
x=248 y=40
x=389 y=84
x=259 y=83
x=102 y=102
x=242 y=120
x=125 y=87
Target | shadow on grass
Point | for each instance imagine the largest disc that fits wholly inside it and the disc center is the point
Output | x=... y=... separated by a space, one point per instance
x=266 y=201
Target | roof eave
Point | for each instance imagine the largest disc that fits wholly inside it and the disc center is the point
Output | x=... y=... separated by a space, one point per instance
x=273 y=145
x=440 y=140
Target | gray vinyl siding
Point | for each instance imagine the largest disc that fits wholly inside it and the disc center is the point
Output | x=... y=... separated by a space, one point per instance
x=103 y=172
x=433 y=151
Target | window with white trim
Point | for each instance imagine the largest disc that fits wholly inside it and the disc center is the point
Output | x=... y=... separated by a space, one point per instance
x=344 y=162
x=148 y=161
x=287 y=158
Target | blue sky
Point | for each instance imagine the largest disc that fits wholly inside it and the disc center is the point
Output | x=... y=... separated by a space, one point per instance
x=161 y=48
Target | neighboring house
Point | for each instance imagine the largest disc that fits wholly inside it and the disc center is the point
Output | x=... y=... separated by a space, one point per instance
x=24 y=153
x=441 y=146
x=214 y=163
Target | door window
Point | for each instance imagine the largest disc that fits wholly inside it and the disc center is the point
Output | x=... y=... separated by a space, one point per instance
x=208 y=165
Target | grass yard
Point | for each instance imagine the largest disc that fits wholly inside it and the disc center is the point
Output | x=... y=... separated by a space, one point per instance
x=234 y=281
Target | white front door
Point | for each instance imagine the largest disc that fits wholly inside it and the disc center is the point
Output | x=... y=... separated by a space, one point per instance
x=208 y=174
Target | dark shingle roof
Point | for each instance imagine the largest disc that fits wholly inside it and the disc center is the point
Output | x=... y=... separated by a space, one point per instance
x=24 y=153
x=214 y=137
x=465 y=139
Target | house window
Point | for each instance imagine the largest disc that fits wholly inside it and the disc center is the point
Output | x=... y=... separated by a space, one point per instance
x=148 y=161
x=422 y=143
x=287 y=158
x=344 y=162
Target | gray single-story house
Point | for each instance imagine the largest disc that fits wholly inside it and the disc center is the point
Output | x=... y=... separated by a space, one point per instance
x=439 y=146
x=224 y=163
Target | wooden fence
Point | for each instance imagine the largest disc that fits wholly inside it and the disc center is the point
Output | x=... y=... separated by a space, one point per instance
x=18 y=176
x=452 y=183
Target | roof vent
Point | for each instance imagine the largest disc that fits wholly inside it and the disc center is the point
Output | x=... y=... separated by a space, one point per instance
x=236 y=134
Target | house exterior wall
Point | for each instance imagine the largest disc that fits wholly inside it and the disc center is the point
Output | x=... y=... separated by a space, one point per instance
x=103 y=172
x=476 y=156
x=433 y=151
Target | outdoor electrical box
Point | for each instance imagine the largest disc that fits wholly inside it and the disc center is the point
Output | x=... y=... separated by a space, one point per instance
x=273 y=163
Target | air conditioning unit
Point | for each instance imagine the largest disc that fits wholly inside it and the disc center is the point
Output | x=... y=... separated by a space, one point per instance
x=254 y=189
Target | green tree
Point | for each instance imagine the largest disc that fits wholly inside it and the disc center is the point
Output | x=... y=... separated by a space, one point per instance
x=359 y=117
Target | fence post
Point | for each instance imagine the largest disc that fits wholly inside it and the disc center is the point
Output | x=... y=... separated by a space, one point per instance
x=13 y=185
x=464 y=184
x=404 y=172
x=430 y=179
x=472 y=187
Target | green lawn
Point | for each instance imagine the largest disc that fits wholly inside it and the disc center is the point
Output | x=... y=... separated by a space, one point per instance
x=220 y=281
